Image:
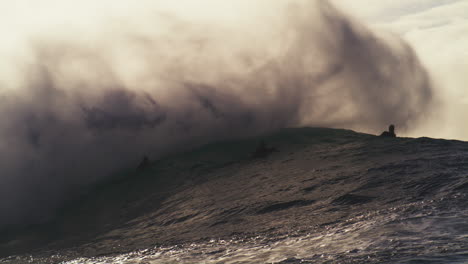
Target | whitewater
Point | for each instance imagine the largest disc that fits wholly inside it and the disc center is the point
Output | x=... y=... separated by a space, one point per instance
x=325 y=196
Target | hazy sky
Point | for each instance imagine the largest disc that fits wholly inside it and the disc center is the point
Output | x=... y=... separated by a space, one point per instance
x=438 y=31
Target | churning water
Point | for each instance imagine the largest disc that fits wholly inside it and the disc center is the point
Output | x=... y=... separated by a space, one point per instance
x=325 y=196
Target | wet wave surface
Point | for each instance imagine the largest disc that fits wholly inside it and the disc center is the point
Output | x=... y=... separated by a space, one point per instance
x=326 y=196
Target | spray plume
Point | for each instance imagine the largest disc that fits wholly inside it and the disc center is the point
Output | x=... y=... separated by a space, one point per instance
x=86 y=106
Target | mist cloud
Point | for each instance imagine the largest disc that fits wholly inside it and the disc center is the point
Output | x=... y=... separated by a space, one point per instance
x=83 y=109
x=438 y=32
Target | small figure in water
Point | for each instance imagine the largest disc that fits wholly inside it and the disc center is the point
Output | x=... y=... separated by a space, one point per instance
x=263 y=151
x=144 y=163
x=390 y=132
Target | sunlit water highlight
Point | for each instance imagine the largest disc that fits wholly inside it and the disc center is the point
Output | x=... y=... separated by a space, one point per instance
x=347 y=198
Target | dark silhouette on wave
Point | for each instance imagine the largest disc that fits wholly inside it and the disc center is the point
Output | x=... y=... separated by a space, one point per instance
x=390 y=132
x=144 y=163
x=263 y=150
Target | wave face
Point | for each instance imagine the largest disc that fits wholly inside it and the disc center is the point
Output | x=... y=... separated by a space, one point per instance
x=324 y=196
x=90 y=102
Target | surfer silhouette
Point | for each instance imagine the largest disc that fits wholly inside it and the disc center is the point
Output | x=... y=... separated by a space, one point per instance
x=144 y=163
x=390 y=132
x=263 y=150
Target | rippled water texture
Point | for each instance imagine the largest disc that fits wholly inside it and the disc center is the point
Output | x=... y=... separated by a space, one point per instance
x=326 y=196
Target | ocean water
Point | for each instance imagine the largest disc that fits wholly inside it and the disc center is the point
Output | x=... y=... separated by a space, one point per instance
x=325 y=196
